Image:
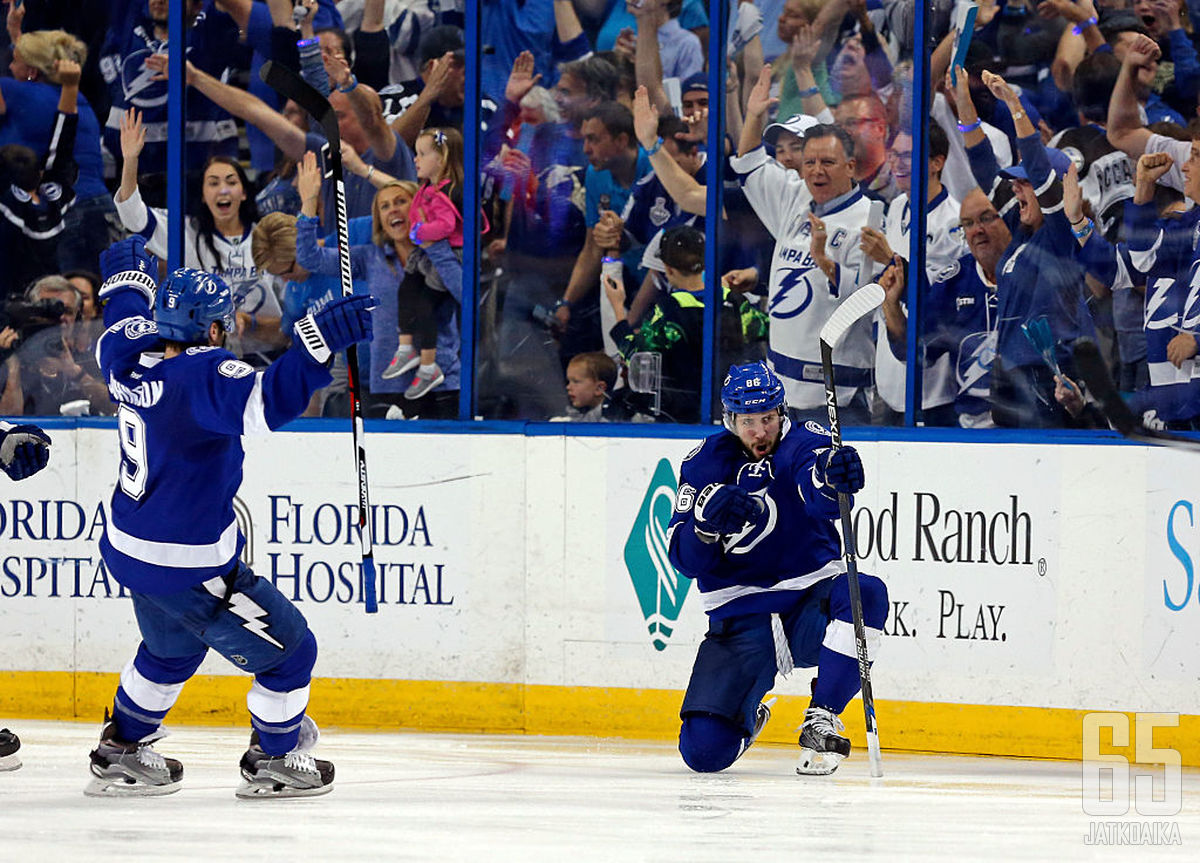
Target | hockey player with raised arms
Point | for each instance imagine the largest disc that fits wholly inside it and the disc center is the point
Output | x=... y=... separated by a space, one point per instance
x=754 y=526
x=172 y=540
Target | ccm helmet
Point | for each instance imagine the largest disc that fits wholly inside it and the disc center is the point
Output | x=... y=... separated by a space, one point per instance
x=188 y=301
x=750 y=389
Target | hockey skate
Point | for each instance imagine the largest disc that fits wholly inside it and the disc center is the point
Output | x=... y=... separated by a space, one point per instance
x=821 y=747
x=296 y=774
x=9 y=744
x=762 y=715
x=122 y=769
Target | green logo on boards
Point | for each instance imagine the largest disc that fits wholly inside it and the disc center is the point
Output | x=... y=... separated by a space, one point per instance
x=660 y=589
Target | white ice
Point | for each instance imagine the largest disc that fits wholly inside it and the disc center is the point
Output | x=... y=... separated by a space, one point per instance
x=417 y=796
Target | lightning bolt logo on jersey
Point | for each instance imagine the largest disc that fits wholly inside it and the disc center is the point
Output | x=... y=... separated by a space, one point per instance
x=759 y=567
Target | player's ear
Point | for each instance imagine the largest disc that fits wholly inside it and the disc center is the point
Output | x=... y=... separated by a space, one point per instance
x=216 y=334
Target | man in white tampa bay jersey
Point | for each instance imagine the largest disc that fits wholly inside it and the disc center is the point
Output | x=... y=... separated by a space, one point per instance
x=817 y=261
x=171 y=538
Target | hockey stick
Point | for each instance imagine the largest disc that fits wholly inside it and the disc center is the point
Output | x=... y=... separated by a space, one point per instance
x=290 y=85
x=855 y=307
x=1095 y=375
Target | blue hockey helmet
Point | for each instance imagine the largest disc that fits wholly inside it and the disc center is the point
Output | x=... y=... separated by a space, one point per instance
x=188 y=301
x=750 y=389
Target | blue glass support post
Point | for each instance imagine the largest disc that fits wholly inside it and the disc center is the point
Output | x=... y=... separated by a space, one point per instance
x=176 y=130
x=471 y=201
x=713 y=176
x=918 y=195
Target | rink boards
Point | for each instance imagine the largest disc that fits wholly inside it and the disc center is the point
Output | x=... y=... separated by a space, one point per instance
x=524 y=586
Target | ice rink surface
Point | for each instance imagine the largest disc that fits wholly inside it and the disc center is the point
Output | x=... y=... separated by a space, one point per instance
x=417 y=796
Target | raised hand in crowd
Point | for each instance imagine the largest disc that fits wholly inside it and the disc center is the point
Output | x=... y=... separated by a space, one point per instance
x=157 y=63
x=874 y=245
x=1071 y=11
x=133 y=134
x=68 y=72
x=1073 y=197
x=626 y=44
x=14 y=20
x=807 y=46
x=520 y=80
x=741 y=280
x=1150 y=167
x=817 y=247
x=1140 y=50
x=759 y=102
x=645 y=118
x=308 y=183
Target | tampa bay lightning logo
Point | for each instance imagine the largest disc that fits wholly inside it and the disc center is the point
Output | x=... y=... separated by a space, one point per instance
x=138 y=82
x=139 y=327
x=794 y=294
x=755 y=475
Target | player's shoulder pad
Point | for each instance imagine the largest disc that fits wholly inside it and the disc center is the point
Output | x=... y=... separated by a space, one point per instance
x=124 y=340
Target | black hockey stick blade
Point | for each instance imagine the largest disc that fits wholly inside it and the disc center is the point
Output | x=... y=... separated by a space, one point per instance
x=1091 y=367
x=288 y=83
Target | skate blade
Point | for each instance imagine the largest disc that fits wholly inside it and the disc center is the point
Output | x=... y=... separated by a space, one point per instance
x=117 y=786
x=265 y=791
x=813 y=763
x=9 y=762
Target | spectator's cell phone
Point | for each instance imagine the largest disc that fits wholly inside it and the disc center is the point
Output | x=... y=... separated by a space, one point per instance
x=875 y=216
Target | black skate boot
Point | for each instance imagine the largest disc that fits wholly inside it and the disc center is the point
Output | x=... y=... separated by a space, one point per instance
x=9 y=744
x=296 y=774
x=762 y=715
x=131 y=769
x=821 y=747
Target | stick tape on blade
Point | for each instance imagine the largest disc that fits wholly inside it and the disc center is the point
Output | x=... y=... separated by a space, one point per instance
x=859 y=304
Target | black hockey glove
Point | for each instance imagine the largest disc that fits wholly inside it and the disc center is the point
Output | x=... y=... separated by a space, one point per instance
x=24 y=450
x=723 y=509
x=343 y=322
x=840 y=470
x=126 y=263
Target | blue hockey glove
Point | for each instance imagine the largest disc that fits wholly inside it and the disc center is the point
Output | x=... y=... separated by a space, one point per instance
x=840 y=470
x=126 y=262
x=343 y=322
x=24 y=450
x=723 y=509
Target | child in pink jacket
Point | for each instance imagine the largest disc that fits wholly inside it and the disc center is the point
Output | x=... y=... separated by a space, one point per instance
x=437 y=223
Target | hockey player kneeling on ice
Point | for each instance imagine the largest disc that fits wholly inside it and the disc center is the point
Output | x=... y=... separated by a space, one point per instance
x=754 y=526
x=172 y=540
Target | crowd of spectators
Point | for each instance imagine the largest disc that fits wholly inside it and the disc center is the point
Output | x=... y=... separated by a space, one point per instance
x=1058 y=203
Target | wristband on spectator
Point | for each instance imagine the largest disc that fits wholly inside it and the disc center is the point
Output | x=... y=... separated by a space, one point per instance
x=560 y=303
x=970 y=127
x=811 y=91
x=370 y=171
x=1087 y=229
x=1083 y=25
x=657 y=146
x=353 y=83
x=305 y=43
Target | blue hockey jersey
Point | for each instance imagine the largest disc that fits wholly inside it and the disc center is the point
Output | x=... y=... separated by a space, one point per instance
x=1163 y=254
x=180 y=421
x=790 y=546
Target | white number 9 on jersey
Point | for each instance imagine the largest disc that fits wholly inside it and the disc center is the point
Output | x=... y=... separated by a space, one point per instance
x=134 y=467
